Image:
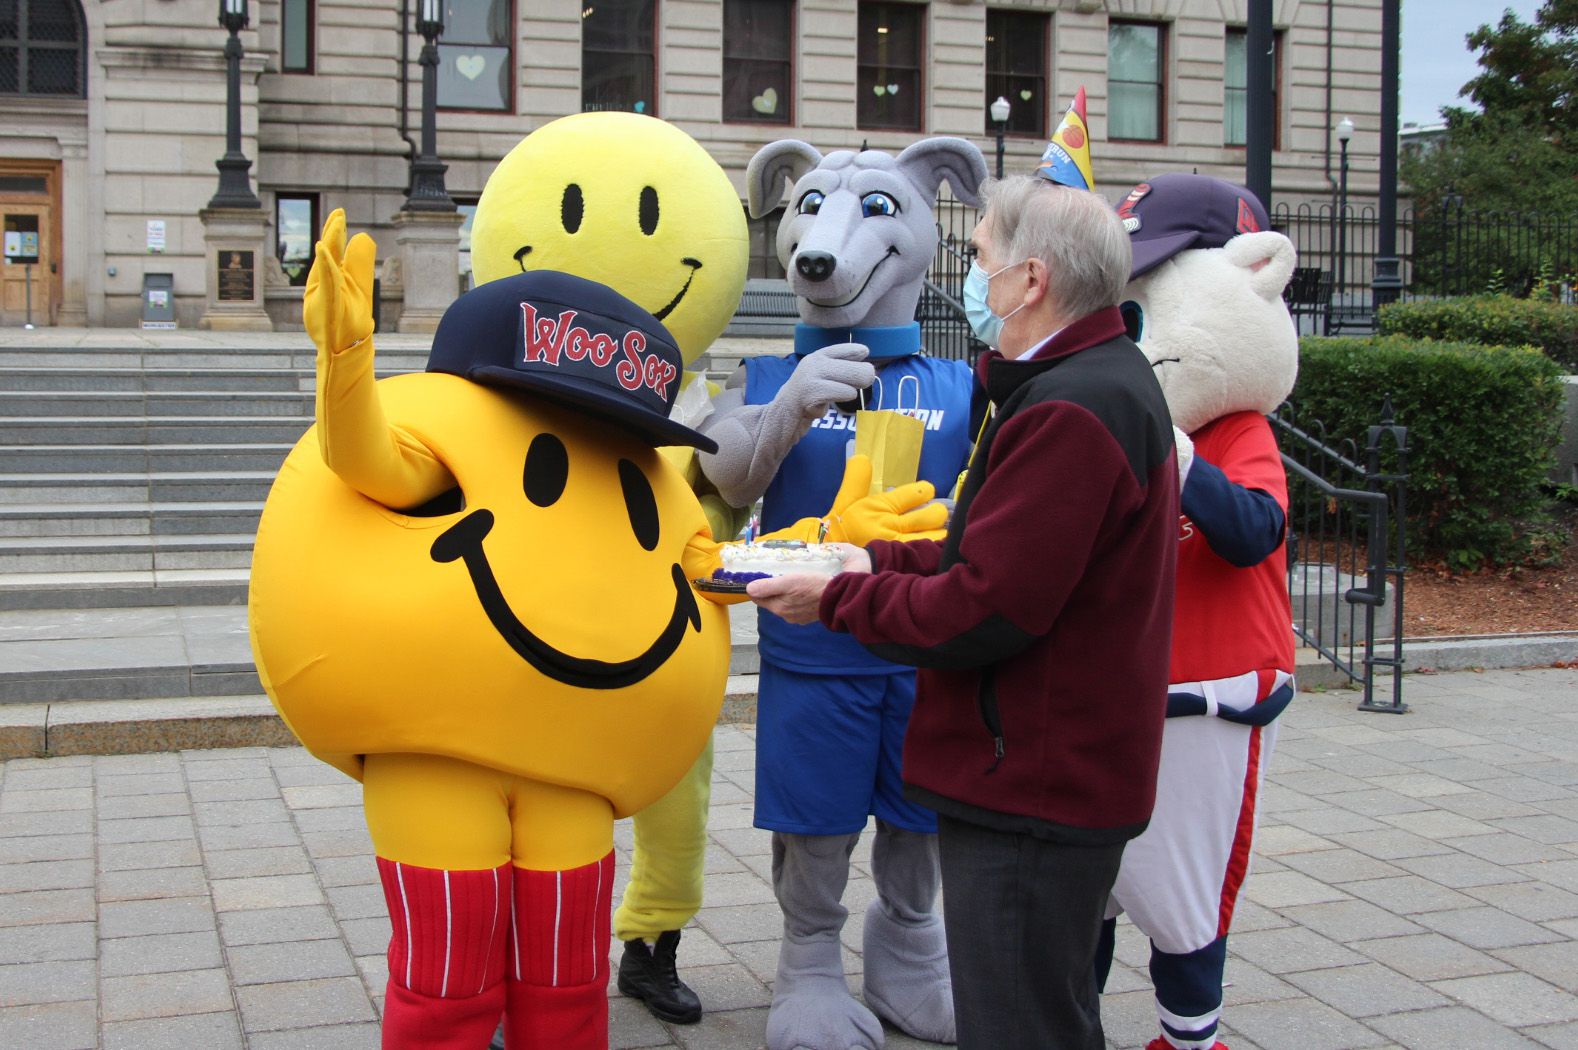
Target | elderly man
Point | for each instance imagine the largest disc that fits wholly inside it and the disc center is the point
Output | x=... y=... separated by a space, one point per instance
x=1041 y=623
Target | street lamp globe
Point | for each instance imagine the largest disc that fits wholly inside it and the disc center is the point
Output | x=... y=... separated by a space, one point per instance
x=233 y=14
x=1344 y=130
x=1000 y=110
x=430 y=19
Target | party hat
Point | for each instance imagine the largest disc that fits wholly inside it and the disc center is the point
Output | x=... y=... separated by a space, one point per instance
x=1067 y=157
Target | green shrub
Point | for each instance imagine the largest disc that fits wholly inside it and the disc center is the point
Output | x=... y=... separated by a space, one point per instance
x=1493 y=320
x=1483 y=422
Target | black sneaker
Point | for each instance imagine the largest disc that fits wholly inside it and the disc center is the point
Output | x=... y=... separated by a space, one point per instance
x=649 y=974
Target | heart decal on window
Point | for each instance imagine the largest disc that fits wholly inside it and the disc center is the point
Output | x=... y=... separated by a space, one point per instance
x=470 y=66
x=766 y=102
x=1025 y=94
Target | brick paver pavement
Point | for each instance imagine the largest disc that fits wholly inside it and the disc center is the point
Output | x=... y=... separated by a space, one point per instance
x=1416 y=885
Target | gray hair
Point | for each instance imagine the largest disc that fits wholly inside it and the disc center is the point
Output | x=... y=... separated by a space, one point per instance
x=1076 y=233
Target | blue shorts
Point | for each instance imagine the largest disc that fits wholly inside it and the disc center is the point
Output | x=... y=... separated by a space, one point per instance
x=828 y=751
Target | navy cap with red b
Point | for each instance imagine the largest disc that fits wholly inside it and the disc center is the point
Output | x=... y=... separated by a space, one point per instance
x=1175 y=212
x=571 y=340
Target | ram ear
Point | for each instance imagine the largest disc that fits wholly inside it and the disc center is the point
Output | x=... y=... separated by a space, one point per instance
x=931 y=161
x=776 y=164
x=1268 y=256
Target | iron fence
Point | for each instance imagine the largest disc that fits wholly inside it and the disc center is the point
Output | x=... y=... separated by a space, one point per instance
x=1445 y=250
x=1346 y=546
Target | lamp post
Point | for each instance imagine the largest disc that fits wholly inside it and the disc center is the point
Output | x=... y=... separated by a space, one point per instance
x=427 y=172
x=1000 y=111
x=235 y=187
x=1344 y=133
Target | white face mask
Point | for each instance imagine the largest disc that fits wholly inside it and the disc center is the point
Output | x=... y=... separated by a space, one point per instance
x=986 y=325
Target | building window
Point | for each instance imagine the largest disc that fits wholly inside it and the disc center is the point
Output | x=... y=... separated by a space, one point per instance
x=889 y=53
x=758 y=61
x=295 y=232
x=619 y=55
x=1235 y=89
x=476 y=55
x=1136 y=81
x=1016 y=70
x=296 y=21
x=41 y=48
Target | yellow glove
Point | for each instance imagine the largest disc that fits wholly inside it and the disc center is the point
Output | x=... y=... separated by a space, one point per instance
x=904 y=513
x=337 y=307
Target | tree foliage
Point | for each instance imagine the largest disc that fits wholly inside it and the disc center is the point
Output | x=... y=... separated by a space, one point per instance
x=1519 y=151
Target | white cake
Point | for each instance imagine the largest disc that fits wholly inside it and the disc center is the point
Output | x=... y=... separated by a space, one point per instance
x=751 y=561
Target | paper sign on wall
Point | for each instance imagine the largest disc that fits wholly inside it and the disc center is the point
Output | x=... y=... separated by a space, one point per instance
x=155 y=236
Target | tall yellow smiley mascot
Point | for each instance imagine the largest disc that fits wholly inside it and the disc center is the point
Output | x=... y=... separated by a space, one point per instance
x=470 y=592
x=633 y=202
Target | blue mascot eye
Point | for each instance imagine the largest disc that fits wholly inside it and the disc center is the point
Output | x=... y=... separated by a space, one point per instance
x=1133 y=319
x=878 y=204
x=811 y=203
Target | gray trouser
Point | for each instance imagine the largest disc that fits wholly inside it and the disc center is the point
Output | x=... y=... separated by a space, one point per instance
x=1023 y=916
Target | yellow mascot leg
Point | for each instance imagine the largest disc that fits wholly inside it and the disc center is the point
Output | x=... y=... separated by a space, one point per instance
x=665 y=893
x=499 y=891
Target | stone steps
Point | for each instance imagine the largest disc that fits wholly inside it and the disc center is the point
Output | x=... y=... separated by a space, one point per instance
x=108 y=653
x=137 y=403
x=130 y=458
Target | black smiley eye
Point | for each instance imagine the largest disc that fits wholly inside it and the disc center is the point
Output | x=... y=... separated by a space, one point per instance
x=649 y=210
x=640 y=504
x=547 y=470
x=571 y=208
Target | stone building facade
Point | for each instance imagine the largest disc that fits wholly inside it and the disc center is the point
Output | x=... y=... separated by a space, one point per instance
x=113 y=168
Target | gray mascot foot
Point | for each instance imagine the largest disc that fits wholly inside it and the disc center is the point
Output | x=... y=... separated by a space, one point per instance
x=907 y=979
x=812 y=1008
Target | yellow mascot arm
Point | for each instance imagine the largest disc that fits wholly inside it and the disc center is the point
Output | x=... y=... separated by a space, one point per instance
x=903 y=513
x=702 y=556
x=384 y=463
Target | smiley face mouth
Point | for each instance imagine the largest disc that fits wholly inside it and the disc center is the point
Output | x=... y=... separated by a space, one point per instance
x=463 y=540
x=661 y=315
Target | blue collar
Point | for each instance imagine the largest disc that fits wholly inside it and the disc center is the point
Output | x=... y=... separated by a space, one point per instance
x=885 y=341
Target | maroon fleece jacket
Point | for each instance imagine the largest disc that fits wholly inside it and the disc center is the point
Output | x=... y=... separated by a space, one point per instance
x=1042 y=622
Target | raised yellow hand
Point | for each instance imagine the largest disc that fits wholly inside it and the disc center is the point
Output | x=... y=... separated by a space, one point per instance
x=337 y=307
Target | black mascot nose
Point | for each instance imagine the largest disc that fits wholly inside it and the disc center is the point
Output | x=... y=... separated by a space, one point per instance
x=815 y=266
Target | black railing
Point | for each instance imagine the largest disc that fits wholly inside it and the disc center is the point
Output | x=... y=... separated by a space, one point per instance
x=1445 y=250
x=1347 y=553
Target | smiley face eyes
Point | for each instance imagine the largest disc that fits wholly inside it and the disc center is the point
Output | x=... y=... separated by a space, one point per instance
x=640 y=504
x=649 y=210
x=572 y=208
x=547 y=469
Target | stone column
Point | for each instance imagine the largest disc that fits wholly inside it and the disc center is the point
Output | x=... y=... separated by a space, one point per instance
x=236 y=246
x=429 y=251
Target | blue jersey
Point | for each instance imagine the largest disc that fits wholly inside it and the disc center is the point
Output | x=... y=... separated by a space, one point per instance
x=809 y=477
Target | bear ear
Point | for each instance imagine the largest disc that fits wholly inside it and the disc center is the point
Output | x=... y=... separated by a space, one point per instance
x=1269 y=257
x=776 y=164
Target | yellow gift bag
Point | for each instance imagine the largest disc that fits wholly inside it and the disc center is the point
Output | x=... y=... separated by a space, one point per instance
x=890 y=438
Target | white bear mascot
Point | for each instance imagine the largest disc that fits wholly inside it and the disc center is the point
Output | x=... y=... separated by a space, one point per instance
x=1204 y=302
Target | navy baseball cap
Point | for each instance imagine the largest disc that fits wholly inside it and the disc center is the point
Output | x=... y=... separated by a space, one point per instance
x=570 y=340
x=1176 y=212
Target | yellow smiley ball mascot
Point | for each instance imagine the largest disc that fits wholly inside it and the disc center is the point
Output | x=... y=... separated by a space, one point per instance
x=633 y=202
x=470 y=591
